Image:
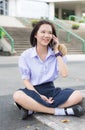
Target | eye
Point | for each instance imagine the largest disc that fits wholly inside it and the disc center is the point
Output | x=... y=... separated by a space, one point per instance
x=42 y=31
x=50 y=32
x=46 y=32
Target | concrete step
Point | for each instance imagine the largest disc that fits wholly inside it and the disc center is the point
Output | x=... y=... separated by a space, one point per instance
x=63 y=122
x=21 y=38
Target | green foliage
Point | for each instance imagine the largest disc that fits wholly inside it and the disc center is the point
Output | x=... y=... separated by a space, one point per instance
x=2 y=34
x=82 y=21
x=73 y=18
x=84 y=17
x=34 y=22
x=75 y=26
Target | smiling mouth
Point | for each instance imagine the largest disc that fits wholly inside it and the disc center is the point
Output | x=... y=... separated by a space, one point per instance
x=46 y=40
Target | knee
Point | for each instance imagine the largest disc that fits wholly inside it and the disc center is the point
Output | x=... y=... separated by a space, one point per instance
x=17 y=96
x=79 y=95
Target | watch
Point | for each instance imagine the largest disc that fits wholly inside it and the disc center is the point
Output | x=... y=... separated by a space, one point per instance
x=58 y=54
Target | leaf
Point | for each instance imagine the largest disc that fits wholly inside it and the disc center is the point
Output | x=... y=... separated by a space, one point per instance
x=65 y=121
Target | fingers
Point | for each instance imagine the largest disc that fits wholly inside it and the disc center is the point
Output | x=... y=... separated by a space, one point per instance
x=55 y=39
x=55 y=48
x=59 y=47
x=49 y=100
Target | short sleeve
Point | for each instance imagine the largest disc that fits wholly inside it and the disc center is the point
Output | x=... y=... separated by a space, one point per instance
x=24 y=68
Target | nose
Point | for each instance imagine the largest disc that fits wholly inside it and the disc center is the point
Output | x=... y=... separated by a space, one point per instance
x=47 y=35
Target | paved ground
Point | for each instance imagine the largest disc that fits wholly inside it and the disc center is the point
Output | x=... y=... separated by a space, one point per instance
x=10 y=81
x=10 y=21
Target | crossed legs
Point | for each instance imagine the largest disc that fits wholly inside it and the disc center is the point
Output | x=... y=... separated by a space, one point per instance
x=30 y=104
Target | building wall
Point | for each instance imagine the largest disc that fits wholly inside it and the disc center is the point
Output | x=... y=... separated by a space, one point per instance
x=40 y=8
x=25 y=8
x=11 y=9
x=69 y=6
x=54 y=0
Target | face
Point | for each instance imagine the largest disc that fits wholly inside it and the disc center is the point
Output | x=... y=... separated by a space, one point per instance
x=44 y=35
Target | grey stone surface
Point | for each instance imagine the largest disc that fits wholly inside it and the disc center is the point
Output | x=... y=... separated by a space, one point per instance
x=56 y=122
x=10 y=81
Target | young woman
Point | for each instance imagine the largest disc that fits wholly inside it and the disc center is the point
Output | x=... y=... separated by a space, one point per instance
x=39 y=67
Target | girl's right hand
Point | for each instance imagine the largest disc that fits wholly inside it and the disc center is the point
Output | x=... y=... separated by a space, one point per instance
x=49 y=100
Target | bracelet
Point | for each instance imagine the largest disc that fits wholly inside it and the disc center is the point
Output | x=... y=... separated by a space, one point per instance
x=58 y=54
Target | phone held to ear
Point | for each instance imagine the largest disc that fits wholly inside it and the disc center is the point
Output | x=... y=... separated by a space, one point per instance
x=52 y=44
x=61 y=47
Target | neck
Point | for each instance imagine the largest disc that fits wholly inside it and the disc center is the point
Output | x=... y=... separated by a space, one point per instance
x=42 y=52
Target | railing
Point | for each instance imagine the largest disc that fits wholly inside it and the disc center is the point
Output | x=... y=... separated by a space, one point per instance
x=69 y=33
x=4 y=33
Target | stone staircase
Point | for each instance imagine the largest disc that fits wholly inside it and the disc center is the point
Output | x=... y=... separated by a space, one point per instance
x=75 y=46
x=20 y=32
x=21 y=38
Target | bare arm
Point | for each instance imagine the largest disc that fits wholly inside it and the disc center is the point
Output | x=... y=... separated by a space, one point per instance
x=29 y=86
x=63 y=70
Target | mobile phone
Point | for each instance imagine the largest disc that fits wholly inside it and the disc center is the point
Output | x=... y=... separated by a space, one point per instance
x=52 y=44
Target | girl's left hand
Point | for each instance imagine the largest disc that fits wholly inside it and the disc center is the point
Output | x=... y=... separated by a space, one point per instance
x=59 y=47
x=57 y=44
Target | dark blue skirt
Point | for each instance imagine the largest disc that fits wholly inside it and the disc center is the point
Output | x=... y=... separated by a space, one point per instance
x=48 y=89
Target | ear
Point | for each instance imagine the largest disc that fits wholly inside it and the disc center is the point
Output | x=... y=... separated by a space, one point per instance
x=35 y=36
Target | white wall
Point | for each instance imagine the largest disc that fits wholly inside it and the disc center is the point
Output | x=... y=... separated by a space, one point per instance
x=25 y=8
x=11 y=8
x=51 y=11
x=34 y=9
x=78 y=11
x=55 y=0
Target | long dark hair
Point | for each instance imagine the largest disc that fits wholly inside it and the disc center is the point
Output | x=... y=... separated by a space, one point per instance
x=33 y=40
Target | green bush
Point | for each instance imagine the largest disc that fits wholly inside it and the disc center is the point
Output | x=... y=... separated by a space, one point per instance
x=82 y=21
x=73 y=18
x=34 y=22
x=75 y=26
x=2 y=34
x=84 y=17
